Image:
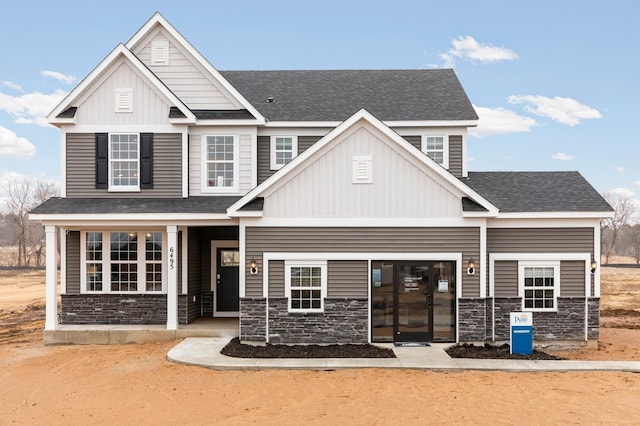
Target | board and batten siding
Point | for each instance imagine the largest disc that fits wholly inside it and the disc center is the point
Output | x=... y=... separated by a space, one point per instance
x=81 y=168
x=261 y=240
x=540 y=240
x=264 y=153
x=73 y=262
x=186 y=77
x=325 y=188
x=196 y=162
x=98 y=106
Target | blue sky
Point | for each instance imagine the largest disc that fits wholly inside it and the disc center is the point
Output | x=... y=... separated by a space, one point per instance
x=555 y=83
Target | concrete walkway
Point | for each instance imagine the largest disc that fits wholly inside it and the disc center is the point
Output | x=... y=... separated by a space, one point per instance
x=205 y=352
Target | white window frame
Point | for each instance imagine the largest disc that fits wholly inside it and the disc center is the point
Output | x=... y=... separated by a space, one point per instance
x=555 y=264
x=123 y=100
x=205 y=166
x=122 y=188
x=445 y=147
x=160 y=47
x=273 y=150
x=288 y=265
x=141 y=286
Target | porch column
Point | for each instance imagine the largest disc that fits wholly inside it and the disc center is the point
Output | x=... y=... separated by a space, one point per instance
x=172 y=277
x=51 y=312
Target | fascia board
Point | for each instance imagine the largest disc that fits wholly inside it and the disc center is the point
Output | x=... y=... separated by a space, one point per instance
x=120 y=50
x=128 y=217
x=401 y=123
x=228 y=122
x=555 y=215
x=158 y=19
x=337 y=131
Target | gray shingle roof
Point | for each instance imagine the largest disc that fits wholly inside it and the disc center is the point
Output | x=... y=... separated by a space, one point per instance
x=323 y=95
x=537 y=191
x=58 y=205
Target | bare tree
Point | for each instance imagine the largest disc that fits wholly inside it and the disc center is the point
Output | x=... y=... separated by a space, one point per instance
x=623 y=210
x=634 y=241
x=22 y=197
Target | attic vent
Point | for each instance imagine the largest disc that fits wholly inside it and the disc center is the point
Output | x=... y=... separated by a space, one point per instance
x=362 y=165
x=160 y=52
x=124 y=100
x=270 y=100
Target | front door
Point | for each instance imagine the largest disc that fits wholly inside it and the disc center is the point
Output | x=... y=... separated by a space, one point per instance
x=227 y=282
x=412 y=301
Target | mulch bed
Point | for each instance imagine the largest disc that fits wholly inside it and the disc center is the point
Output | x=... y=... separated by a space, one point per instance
x=240 y=350
x=487 y=351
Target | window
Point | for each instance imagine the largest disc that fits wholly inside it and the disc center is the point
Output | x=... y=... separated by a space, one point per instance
x=436 y=147
x=283 y=150
x=221 y=154
x=160 y=52
x=131 y=266
x=306 y=286
x=539 y=285
x=124 y=162
x=124 y=100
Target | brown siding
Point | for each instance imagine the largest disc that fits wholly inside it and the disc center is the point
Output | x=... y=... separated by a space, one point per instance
x=73 y=262
x=356 y=240
x=347 y=278
x=194 y=275
x=415 y=141
x=276 y=278
x=167 y=168
x=572 y=278
x=264 y=153
x=506 y=278
x=455 y=155
x=540 y=240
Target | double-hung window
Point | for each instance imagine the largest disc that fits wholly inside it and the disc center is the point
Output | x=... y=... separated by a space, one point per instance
x=283 y=150
x=436 y=147
x=123 y=262
x=306 y=285
x=539 y=285
x=124 y=162
x=221 y=163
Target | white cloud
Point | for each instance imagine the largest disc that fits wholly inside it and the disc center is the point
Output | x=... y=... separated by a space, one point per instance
x=67 y=79
x=500 y=121
x=13 y=86
x=620 y=169
x=562 y=110
x=13 y=146
x=622 y=193
x=562 y=156
x=467 y=47
x=31 y=108
x=637 y=183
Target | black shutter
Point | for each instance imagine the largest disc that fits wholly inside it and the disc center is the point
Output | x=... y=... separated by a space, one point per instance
x=102 y=160
x=146 y=160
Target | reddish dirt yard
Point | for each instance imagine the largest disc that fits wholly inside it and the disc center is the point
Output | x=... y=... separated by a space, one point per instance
x=134 y=384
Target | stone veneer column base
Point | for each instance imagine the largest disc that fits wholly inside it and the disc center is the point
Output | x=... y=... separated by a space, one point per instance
x=473 y=320
x=253 y=319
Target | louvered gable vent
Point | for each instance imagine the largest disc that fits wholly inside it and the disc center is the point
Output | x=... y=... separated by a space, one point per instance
x=362 y=165
x=160 y=52
x=124 y=100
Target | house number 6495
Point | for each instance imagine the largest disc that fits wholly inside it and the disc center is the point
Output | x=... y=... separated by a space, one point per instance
x=172 y=258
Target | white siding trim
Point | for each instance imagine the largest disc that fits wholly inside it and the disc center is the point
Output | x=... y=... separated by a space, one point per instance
x=483 y=260
x=63 y=163
x=242 y=291
x=185 y=259
x=63 y=260
x=185 y=163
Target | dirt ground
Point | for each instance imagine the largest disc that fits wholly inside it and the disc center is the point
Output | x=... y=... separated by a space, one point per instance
x=134 y=384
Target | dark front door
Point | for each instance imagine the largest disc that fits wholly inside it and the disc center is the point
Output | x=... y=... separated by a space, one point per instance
x=413 y=301
x=227 y=280
x=412 y=322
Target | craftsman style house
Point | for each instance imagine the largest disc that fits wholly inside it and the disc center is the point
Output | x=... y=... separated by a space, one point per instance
x=315 y=206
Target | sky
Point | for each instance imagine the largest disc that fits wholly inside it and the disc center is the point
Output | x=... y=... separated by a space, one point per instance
x=555 y=83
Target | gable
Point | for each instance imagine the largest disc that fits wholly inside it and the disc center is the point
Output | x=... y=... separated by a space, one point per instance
x=97 y=105
x=183 y=74
x=399 y=186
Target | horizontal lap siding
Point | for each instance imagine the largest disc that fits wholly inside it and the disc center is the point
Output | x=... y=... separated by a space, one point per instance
x=415 y=141
x=81 y=171
x=572 y=278
x=73 y=262
x=455 y=155
x=276 y=278
x=540 y=240
x=506 y=278
x=348 y=279
x=359 y=240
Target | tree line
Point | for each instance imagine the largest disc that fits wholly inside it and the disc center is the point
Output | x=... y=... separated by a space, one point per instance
x=620 y=234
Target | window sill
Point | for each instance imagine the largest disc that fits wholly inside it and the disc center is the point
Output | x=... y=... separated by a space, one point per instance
x=306 y=312
x=123 y=190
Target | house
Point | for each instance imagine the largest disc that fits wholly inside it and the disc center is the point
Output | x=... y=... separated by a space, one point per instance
x=315 y=206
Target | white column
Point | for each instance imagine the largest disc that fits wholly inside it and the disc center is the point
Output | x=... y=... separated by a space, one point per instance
x=51 y=313
x=172 y=277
